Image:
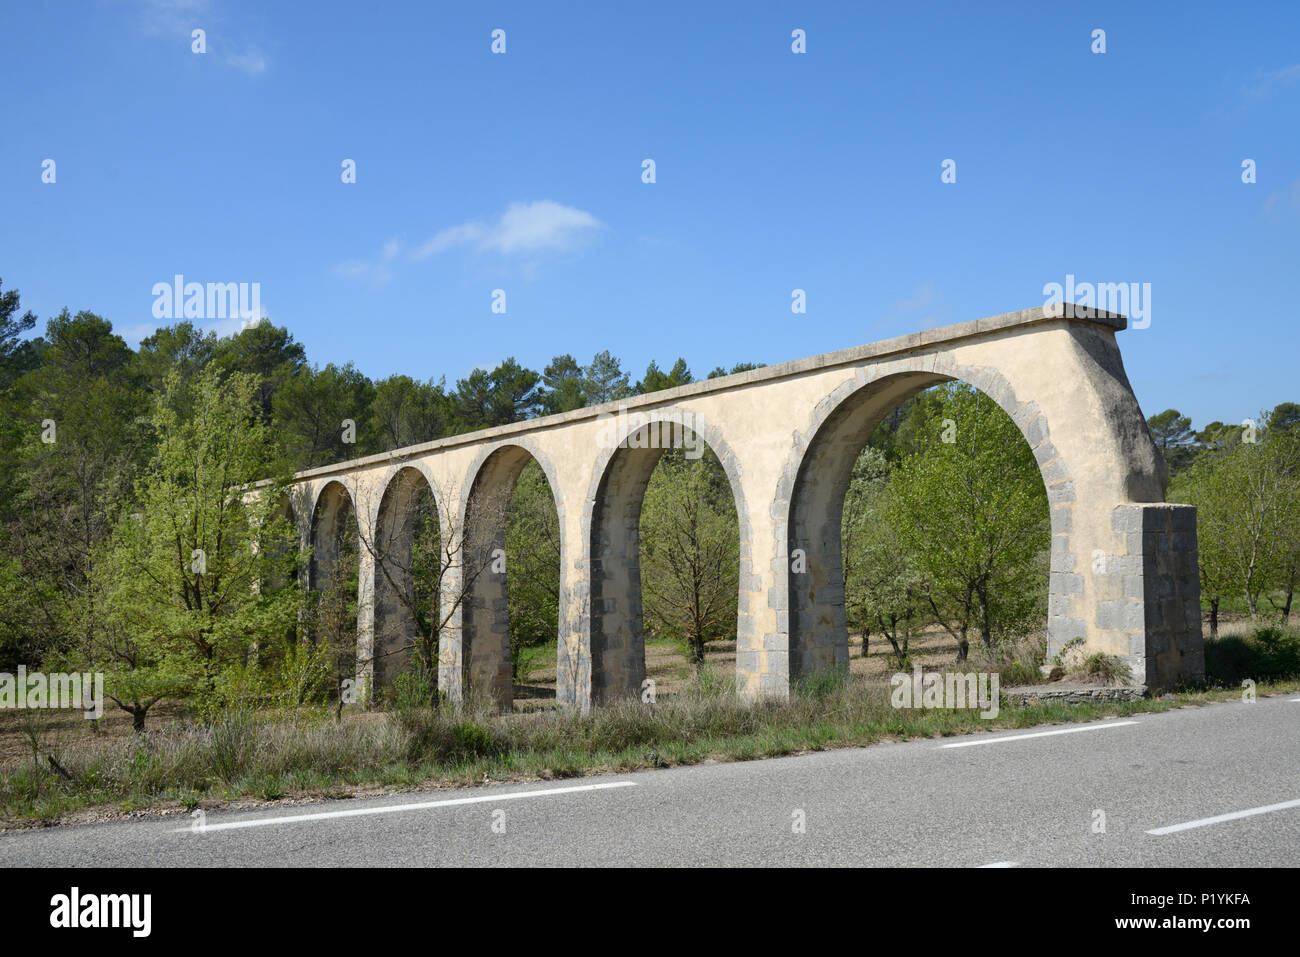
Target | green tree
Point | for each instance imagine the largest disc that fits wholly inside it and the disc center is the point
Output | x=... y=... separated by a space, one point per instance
x=322 y=415
x=533 y=565
x=508 y=393
x=563 y=386
x=884 y=590
x=689 y=551
x=604 y=380
x=183 y=605
x=1244 y=497
x=15 y=352
x=1172 y=433
x=81 y=442
x=971 y=506
x=183 y=346
x=738 y=367
x=656 y=379
x=406 y=412
x=265 y=351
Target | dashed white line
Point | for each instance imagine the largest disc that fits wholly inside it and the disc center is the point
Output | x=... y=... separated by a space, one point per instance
x=1037 y=734
x=394 y=808
x=1220 y=818
x=998 y=864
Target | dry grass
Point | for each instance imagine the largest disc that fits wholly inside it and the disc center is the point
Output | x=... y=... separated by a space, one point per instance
x=181 y=763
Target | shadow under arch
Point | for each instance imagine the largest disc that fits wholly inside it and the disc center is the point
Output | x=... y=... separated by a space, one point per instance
x=334 y=521
x=406 y=604
x=483 y=647
x=631 y=450
x=285 y=551
x=816 y=480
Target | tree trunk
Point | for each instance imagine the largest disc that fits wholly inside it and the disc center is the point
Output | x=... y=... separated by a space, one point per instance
x=137 y=719
x=697 y=650
x=1214 y=618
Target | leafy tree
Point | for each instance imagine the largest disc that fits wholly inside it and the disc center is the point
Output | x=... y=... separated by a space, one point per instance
x=1172 y=433
x=689 y=551
x=312 y=412
x=15 y=353
x=738 y=367
x=974 y=512
x=657 y=380
x=1285 y=417
x=406 y=412
x=182 y=346
x=81 y=443
x=1218 y=437
x=17 y=356
x=507 y=394
x=533 y=564
x=563 y=387
x=1244 y=498
x=265 y=351
x=884 y=589
x=604 y=380
x=183 y=608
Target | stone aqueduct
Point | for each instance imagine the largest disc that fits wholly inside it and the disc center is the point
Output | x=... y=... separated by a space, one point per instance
x=1123 y=564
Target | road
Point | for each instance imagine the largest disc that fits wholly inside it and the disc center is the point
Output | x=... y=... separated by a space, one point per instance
x=1006 y=798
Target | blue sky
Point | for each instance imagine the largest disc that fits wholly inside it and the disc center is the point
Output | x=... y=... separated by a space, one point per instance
x=775 y=171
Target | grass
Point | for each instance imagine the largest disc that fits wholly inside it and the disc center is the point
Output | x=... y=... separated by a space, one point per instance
x=256 y=757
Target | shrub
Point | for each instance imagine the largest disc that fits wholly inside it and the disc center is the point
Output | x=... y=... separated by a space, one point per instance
x=1106 y=669
x=1267 y=652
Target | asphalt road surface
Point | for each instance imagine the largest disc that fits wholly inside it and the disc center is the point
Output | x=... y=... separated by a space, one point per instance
x=1211 y=786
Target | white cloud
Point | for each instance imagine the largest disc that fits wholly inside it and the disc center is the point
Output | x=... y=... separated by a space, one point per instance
x=378 y=271
x=179 y=18
x=252 y=61
x=540 y=226
x=1285 y=199
x=172 y=16
x=529 y=228
x=1267 y=81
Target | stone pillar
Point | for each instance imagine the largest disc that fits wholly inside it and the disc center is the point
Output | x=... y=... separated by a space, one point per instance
x=485 y=624
x=617 y=638
x=762 y=626
x=573 y=649
x=451 y=659
x=1149 y=594
x=366 y=670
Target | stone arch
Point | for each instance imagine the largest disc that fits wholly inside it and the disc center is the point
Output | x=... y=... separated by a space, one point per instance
x=810 y=499
x=479 y=655
x=615 y=646
x=332 y=506
x=284 y=509
x=407 y=495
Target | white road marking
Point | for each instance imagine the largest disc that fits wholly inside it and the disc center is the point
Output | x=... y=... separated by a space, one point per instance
x=394 y=808
x=998 y=864
x=1036 y=734
x=1295 y=700
x=1220 y=818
